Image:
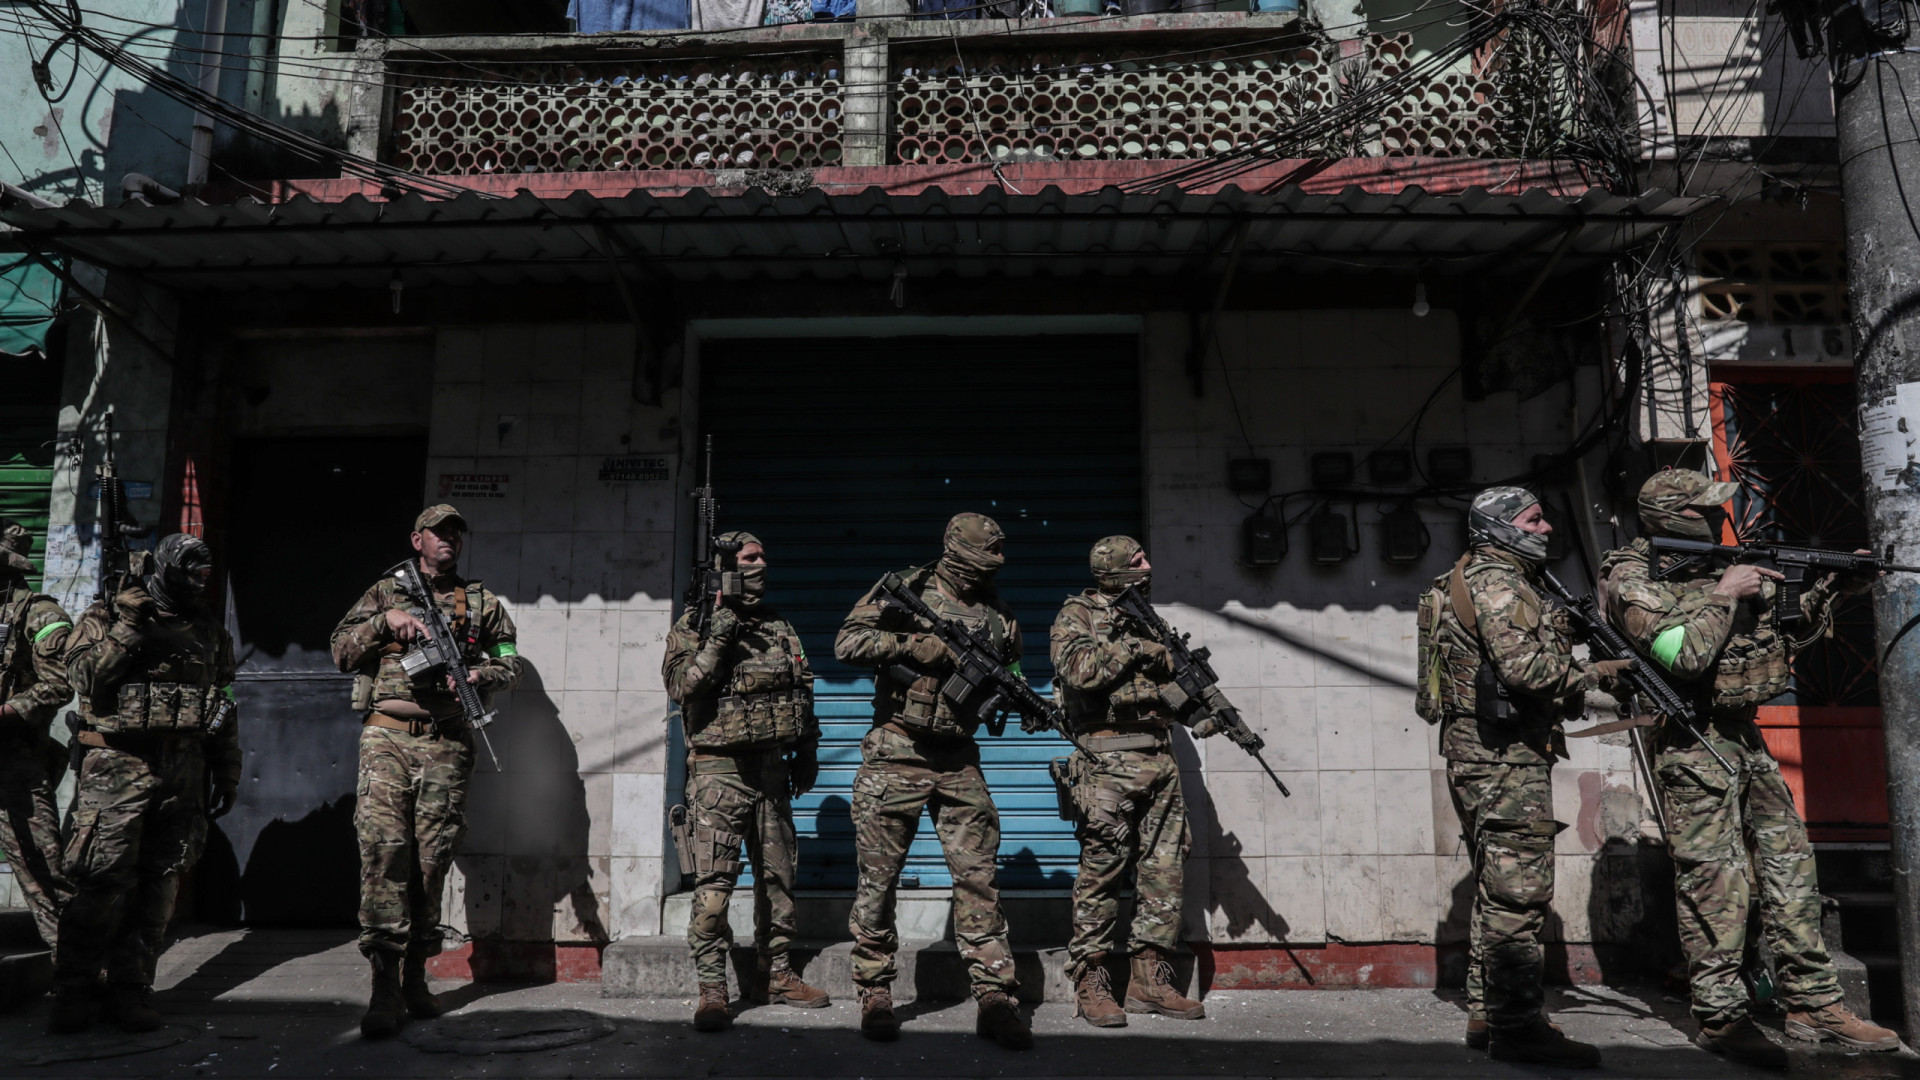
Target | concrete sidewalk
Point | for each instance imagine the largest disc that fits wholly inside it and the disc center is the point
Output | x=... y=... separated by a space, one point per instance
x=278 y=1004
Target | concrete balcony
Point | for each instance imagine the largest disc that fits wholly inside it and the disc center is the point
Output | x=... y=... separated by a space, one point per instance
x=929 y=96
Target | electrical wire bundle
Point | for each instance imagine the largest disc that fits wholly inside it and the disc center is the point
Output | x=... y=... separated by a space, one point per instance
x=70 y=26
x=1540 y=47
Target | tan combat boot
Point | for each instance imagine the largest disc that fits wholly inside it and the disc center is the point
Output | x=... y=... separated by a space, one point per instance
x=131 y=1010
x=385 y=1008
x=415 y=993
x=1000 y=1020
x=1151 y=989
x=1541 y=1043
x=711 y=1013
x=779 y=984
x=1093 y=994
x=1744 y=1042
x=877 y=1021
x=1837 y=1022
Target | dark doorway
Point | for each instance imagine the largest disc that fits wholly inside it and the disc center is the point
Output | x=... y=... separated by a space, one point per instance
x=314 y=521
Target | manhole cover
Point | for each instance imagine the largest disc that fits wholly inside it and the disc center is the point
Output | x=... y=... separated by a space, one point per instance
x=508 y=1032
x=99 y=1042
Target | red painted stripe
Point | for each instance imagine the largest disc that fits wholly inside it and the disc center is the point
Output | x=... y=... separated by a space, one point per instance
x=518 y=961
x=1436 y=176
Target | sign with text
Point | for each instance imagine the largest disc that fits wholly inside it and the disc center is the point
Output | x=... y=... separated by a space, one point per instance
x=636 y=469
x=465 y=487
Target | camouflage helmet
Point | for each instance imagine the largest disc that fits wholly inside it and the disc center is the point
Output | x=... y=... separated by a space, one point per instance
x=969 y=559
x=1111 y=562
x=1667 y=494
x=16 y=544
x=1490 y=523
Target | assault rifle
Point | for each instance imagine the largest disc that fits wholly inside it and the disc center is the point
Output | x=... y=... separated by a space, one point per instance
x=440 y=655
x=712 y=581
x=1796 y=563
x=1605 y=643
x=1193 y=673
x=118 y=561
x=979 y=681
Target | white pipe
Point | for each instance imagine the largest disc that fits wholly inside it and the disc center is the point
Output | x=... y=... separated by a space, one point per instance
x=213 y=39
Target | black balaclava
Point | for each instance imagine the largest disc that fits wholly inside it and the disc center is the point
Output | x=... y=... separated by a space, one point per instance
x=172 y=584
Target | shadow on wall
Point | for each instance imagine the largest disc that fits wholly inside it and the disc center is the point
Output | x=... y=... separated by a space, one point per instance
x=539 y=886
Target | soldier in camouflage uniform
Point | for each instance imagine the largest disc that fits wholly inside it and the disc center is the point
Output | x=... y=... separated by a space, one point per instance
x=160 y=746
x=1716 y=637
x=1117 y=687
x=416 y=757
x=921 y=753
x=1499 y=676
x=745 y=693
x=33 y=686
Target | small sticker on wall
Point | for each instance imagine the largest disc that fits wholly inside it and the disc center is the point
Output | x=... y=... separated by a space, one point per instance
x=635 y=469
x=465 y=487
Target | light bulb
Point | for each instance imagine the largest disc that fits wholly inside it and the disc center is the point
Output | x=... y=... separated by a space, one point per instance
x=1420 y=305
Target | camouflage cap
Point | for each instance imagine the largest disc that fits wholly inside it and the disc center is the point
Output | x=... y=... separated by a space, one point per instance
x=1667 y=495
x=16 y=543
x=1677 y=489
x=437 y=514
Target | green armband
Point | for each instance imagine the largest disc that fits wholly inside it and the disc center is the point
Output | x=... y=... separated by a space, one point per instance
x=1667 y=645
x=503 y=650
x=227 y=692
x=48 y=629
x=1014 y=668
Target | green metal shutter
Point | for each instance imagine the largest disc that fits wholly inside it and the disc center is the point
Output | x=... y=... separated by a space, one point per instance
x=29 y=416
x=847 y=457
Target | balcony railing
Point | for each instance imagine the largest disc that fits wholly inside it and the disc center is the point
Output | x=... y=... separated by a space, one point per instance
x=910 y=93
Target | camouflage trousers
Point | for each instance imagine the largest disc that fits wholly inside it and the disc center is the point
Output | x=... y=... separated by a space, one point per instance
x=1140 y=788
x=139 y=822
x=30 y=768
x=1731 y=837
x=899 y=776
x=1506 y=817
x=410 y=813
x=731 y=803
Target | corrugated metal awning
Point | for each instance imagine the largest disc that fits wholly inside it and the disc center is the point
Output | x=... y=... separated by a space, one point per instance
x=697 y=236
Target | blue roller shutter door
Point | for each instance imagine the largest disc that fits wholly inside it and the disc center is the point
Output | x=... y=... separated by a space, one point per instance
x=847 y=457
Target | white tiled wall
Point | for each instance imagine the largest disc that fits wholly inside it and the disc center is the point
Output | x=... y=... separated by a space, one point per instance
x=1321 y=660
x=565 y=843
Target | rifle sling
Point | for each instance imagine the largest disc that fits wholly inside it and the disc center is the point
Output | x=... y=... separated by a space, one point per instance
x=1611 y=726
x=1461 y=601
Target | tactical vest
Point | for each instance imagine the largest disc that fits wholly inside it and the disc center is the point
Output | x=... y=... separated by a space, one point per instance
x=465 y=601
x=1754 y=666
x=917 y=702
x=171 y=687
x=1456 y=676
x=1138 y=703
x=763 y=700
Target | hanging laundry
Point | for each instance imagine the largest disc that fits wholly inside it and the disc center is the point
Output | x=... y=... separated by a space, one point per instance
x=602 y=16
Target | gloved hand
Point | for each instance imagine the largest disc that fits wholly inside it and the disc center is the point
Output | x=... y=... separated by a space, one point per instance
x=220 y=800
x=724 y=626
x=803 y=768
x=133 y=607
x=928 y=650
x=1607 y=675
x=1154 y=659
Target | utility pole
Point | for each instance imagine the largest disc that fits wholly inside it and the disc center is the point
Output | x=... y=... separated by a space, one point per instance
x=1879 y=145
